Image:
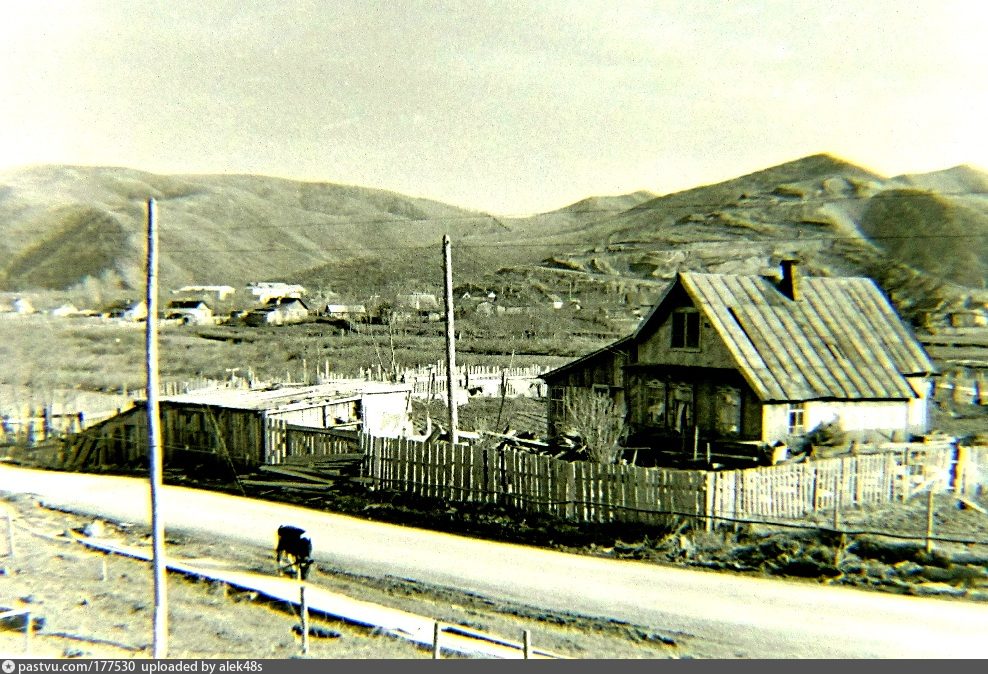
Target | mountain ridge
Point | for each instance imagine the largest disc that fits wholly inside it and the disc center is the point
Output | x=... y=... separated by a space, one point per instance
x=65 y=226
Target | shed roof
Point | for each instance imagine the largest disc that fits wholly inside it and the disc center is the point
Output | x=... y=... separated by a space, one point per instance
x=187 y=304
x=842 y=339
x=277 y=398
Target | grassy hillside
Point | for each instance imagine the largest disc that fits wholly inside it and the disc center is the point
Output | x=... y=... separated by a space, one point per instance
x=937 y=233
x=62 y=224
x=924 y=237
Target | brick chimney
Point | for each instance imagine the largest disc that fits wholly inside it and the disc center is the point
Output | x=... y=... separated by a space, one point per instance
x=789 y=285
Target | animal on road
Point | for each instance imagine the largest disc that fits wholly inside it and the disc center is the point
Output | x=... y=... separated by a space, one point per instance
x=296 y=548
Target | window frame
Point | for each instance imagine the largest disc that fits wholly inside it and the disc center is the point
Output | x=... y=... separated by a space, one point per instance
x=796 y=412
x=684 y=325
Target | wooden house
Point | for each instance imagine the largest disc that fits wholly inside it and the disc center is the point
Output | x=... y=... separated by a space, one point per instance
x=728 y=358
x=241 y=426
x=128 y=310
x=279 y=311
x=191 y=312
x=350 y=312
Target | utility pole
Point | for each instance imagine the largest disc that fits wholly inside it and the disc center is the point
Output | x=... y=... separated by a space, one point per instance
x=159 y=647
x=450 y=343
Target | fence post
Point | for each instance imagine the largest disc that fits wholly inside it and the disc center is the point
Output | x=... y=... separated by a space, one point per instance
x=709 y=482
x=436 y=648
x=526 y=638
x=929 y=520
x=837 y=494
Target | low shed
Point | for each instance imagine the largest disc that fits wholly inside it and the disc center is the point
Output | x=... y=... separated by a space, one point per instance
x=235 y=424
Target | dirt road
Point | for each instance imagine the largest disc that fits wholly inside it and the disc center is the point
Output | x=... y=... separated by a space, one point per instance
x=712 y=614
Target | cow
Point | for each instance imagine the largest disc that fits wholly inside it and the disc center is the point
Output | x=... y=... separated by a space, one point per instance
x=297 y=549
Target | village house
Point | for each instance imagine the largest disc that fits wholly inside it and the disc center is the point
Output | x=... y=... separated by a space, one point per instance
x=278 y=311
x=127 y=310
x=349 y=312
x=242 y=426
x=728 y=358
x=23 y=306
x=190 y=312
x=265 y=291
x=219 y=292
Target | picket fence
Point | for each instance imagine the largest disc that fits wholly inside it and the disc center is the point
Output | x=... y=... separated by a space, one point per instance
x=594 y=493
x=430 y=381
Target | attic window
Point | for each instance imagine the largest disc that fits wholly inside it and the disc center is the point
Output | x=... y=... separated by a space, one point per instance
x=685 y=329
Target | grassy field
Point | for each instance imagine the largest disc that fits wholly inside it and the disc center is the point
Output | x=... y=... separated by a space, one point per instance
x=91 y=365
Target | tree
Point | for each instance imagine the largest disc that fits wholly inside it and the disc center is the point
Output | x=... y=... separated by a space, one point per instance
x=599 y=422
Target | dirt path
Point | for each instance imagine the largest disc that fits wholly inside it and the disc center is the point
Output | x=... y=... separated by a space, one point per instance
x=710 y=614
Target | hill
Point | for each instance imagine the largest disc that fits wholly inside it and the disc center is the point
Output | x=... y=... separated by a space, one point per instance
x=923 y=237
x=927 y=248
x=62 y=225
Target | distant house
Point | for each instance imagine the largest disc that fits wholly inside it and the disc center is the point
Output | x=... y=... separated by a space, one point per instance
x=278 y=311
x=65 y=310
x=23 y=306
x=191 y=312
x=127 y=310
x=220 y=292
x=745 y=358
x=350 y=312
x=265 y=291
x=418 y=302
x=968 y=318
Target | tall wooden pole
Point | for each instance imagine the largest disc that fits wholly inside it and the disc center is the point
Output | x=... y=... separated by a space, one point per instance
x=159 y=648
x=450 y=343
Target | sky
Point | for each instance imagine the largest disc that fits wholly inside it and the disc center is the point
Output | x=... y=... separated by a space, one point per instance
x=506 y=107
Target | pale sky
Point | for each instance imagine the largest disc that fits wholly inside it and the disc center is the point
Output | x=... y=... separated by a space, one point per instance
x=508 y=107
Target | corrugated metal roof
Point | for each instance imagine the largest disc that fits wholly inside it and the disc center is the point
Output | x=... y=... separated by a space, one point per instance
x=842 y=339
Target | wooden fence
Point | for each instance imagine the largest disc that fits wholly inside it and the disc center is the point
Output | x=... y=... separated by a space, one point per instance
x=284 y=442
x=588 y=492
x=430 y=381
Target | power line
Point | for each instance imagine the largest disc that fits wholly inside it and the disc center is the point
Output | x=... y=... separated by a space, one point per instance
x=555 y=244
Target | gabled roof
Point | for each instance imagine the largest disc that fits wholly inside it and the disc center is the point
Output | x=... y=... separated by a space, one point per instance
x=275 y=302
x=187 y=304
x=842 y=339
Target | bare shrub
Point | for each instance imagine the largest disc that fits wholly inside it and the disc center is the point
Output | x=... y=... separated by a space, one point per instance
x=599 y=422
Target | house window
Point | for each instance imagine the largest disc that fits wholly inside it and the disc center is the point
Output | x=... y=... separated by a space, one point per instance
x=557 y=406
x=686 y=329
x=797 y=417
x=654 y=413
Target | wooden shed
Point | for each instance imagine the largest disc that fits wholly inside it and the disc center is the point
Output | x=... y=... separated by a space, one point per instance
x=237 y=425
